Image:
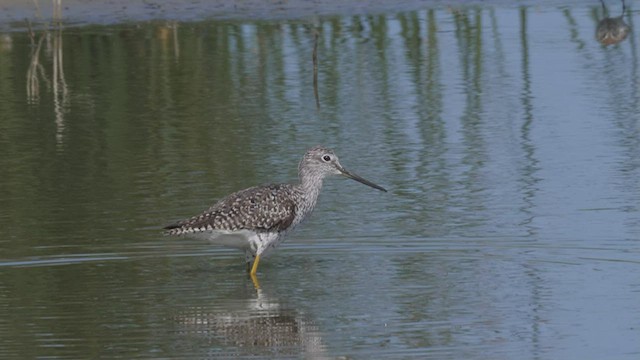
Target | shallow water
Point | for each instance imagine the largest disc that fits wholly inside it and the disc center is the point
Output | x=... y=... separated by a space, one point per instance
x=507 y=136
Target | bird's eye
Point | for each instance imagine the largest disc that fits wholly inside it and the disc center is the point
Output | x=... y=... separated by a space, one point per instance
x=326 y=158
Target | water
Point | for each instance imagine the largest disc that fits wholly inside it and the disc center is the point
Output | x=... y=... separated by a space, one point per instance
x=507 y=136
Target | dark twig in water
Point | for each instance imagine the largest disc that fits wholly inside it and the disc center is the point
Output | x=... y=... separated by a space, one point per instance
x=315 y=68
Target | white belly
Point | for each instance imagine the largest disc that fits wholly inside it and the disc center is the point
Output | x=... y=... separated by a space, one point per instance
x=242 y=239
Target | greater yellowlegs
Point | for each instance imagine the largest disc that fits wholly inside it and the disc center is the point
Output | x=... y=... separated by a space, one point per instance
x=256 y=219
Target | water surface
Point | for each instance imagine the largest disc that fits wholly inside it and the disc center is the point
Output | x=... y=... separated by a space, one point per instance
x=507 y=136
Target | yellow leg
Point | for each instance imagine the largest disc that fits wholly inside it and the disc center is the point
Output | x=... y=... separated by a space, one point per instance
x=253 y=271
x=254 y=268
x=256 y=283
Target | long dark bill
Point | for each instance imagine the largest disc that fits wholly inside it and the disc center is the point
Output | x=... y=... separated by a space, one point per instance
x=361 y=180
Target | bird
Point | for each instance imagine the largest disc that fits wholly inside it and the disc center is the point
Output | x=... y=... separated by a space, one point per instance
x=610 y=30
x=257 y=219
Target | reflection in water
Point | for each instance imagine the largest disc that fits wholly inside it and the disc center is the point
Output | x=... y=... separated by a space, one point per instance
x=529 y=166
x=314 y=57
x=36 y=70
x=6 y=43
x=253 y=326
x=611 y=31
x=528 y=179
x=169 y=33
x=60 y=89
x=512 y=230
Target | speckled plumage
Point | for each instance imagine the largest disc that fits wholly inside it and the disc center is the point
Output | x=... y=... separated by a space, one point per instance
x=256 y=219
x=267 y=208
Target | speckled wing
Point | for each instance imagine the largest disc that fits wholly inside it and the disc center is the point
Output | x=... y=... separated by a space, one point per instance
x=264 y=208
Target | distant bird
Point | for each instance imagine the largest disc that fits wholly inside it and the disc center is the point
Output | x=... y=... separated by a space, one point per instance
x=256 y=219
x=611 y=31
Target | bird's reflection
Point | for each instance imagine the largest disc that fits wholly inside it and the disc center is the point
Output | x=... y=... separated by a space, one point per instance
x=258 y=324
x=612 y=30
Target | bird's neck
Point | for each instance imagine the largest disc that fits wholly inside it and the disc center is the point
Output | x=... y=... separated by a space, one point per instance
x=310 y=184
